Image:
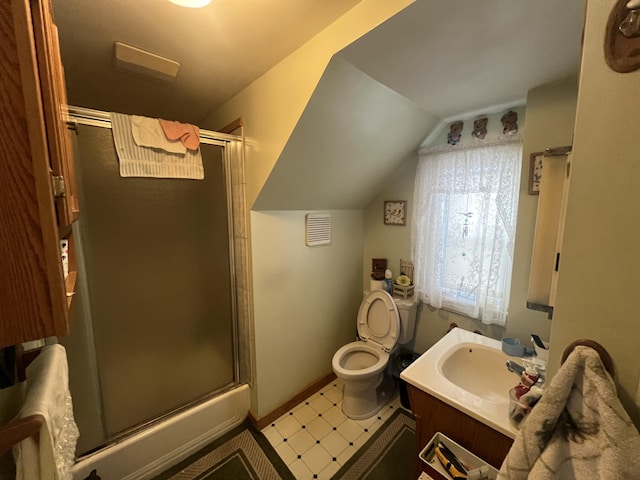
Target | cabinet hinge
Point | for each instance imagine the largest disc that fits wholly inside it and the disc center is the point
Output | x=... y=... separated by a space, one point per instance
x=57 y=181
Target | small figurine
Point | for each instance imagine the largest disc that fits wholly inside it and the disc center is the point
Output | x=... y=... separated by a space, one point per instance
x=453 y=138
x=510 y=123
x=480 y=128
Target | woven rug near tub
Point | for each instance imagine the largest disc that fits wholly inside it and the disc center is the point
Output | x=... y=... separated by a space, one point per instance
x=389 y=453
x=241 y=454
x=246 y=454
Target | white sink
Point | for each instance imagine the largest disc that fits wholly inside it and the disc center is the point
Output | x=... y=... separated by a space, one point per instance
x=479 y=370
x=468 y=372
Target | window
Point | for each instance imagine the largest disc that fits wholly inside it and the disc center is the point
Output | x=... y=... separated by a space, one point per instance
x=464 y=217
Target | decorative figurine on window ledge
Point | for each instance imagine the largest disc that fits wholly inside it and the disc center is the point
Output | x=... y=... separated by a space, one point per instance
x=510 y=123
x=453 y=138
x=480 y=128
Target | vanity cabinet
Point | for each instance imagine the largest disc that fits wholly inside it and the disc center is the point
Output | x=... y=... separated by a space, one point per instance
x=38 y=203
x=433 y=415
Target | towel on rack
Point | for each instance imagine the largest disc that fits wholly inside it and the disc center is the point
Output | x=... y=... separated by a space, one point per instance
x=579 y=429
x=138 y=161
x=147 y=132
x=188 y=134
x=52 y=454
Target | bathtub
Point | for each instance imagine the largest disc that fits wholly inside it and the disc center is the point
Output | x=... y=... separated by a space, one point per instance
x=153 y=450
x=468 y=372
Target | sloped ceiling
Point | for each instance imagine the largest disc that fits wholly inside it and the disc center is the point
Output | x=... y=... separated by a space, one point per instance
x=451 y=58
x=351 y=134
x=432 y=62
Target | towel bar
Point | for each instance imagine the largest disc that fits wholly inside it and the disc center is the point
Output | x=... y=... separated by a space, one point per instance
x=17 y=430
x=607 y=361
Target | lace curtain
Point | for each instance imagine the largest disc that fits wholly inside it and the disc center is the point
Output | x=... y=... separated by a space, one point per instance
x=464 y=217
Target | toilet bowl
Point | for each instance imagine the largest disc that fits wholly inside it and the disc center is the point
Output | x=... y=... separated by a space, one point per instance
x=364 y=365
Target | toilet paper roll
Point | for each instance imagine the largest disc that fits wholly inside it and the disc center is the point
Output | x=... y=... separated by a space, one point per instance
x=376 y=285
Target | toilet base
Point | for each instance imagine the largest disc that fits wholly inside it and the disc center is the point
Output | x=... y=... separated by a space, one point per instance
x=363 y=401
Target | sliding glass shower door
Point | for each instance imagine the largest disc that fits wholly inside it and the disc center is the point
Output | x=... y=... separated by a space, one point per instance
x=159 y=277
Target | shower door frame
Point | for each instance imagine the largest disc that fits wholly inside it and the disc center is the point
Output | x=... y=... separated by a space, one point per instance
x=242 y=331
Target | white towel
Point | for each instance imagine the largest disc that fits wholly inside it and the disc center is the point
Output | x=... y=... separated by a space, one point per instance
x=147 y=132
x=578 y=429
x=52 y=455
x=138 y=161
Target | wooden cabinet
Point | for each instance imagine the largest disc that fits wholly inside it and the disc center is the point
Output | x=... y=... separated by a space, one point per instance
x=433 y=415
x=37 y=189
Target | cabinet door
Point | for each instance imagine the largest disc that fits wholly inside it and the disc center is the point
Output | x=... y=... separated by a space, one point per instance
x=54 y=99
x=55 y=108
x=32 y=295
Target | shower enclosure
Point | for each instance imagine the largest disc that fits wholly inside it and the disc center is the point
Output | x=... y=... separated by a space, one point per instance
x=158 y=323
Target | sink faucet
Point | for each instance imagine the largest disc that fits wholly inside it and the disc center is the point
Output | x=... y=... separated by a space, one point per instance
x=515 y=367
x=518 y=369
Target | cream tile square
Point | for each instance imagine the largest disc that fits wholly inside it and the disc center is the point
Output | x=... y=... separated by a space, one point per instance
x=320 y=404
x=334 y=394
x=316 y=458
x=329 y=471
x=334 y=416
x=319 y=428
x=305 y=414
x=300 y=470
x=361 y=440
x=273 y=435
x=334 y=443
x=350 y=430
x=301 y=441
x=346 y=454
x=286 y=453
x=287 y=425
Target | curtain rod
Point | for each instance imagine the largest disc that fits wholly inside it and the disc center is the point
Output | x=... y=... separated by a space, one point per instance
x=99 y=118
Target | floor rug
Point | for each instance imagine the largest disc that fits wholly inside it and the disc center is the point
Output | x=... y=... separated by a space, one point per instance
x=389 y=453
x=246 y=454
x=241 y=454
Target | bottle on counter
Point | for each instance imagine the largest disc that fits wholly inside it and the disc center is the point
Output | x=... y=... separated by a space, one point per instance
x=388 y=282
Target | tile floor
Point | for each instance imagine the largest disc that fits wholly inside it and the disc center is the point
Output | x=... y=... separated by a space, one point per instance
x=315 y=438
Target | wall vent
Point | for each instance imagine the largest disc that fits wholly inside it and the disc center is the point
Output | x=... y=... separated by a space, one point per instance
x=317 y=229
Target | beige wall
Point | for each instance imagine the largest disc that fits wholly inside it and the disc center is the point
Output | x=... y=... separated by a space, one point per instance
x=271 y=107
x=550 y=118
x=599 y=278
x=306 y=300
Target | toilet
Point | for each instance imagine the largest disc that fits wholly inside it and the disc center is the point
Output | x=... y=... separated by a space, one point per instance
x=364 y=365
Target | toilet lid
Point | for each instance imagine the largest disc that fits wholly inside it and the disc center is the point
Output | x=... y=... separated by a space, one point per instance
x=378 y=320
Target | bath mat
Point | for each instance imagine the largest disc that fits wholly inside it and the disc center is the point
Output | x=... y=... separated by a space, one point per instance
x=389 y=453
x=241 y=454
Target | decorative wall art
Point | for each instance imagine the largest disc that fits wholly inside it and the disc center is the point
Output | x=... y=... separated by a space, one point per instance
x=535 y=173
x=455 y=133
x=395 y=212
x=510 y=123
x=480 y=128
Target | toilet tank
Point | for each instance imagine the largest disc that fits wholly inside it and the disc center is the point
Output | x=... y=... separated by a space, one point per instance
x=408 y=310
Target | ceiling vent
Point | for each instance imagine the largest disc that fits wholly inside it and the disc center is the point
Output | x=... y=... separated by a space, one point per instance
x=136 y=60
x=317 y=229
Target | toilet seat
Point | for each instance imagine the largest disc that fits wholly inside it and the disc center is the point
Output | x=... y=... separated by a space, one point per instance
x=378 y=320
x=342 y=369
